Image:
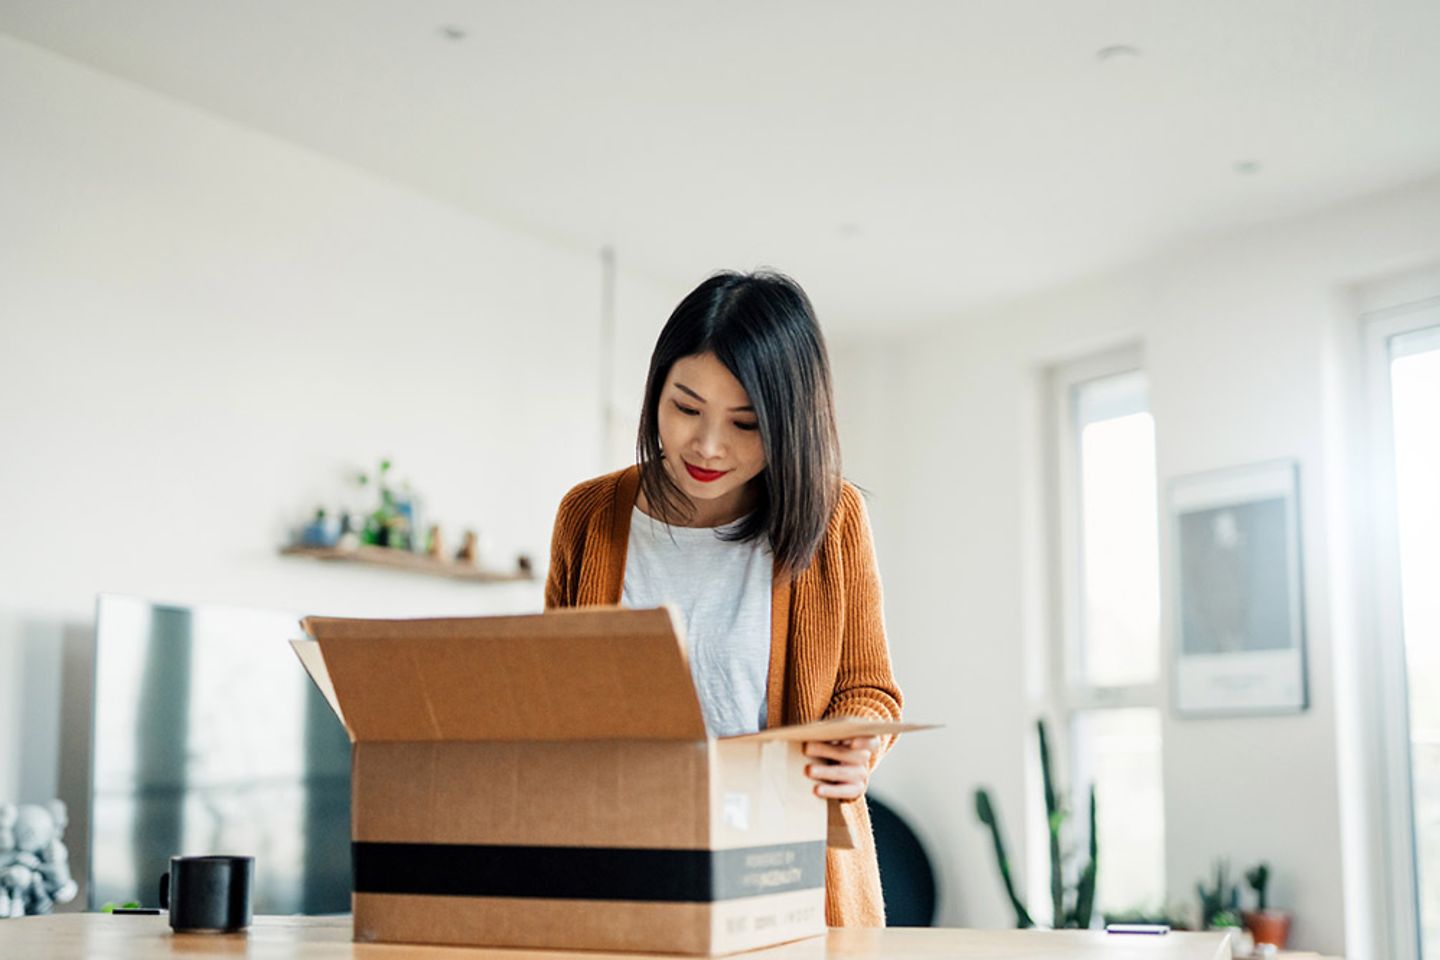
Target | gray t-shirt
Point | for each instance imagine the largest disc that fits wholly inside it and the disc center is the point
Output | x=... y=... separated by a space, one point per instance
x=722 y=591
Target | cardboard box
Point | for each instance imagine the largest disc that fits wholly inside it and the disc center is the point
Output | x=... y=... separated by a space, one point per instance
x=547 y=781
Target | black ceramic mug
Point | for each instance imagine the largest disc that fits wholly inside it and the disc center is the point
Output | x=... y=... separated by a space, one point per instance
x=208 y=894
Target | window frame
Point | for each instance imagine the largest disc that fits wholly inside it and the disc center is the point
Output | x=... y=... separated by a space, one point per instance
x=1388 y=684
x=1068 y=573
x=1071 y=696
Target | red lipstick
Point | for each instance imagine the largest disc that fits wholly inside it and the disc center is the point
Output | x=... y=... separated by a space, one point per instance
x=704 y=476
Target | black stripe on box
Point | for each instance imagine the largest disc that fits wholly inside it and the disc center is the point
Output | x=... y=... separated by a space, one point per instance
x=587 y=873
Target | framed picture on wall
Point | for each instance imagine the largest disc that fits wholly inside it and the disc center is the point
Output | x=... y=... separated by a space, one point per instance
x=1239 y=606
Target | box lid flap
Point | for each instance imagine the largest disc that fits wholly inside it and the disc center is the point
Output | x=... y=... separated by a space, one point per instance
x=309 y=653
x=835 y=728
x=562 y=675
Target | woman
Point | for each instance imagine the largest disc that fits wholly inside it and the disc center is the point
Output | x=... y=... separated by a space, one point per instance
x=736 y=513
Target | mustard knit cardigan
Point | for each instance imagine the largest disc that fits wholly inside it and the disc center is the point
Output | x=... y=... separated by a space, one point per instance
x=828 y=655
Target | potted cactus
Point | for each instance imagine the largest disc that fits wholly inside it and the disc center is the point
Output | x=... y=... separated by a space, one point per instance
x=1071 y=908
x=1265 y=925
x=1220 y=908
x=1220 y=901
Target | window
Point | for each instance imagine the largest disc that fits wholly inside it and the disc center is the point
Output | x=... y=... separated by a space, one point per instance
x=1415 y=402
x=1118 y=640
x=1109 y=638
x=1119 y=752
x=1411 y=360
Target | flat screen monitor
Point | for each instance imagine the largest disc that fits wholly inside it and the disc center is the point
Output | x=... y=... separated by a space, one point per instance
x=211 y=739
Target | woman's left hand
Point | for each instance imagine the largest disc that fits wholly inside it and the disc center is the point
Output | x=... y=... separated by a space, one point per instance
x=843 y=770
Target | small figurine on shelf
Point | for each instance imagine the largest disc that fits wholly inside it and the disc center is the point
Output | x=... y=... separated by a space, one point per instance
x=434 y=544
x=524 y=564
x=319 y=532
x=469 y=552
x=348 y=539
x=407 y=507
x=398 y=534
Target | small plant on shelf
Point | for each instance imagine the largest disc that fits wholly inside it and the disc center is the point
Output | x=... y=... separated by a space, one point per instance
x=390 y=534
x=388 y=525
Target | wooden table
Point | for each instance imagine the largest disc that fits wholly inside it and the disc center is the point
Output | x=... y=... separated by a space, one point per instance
x=97 y=935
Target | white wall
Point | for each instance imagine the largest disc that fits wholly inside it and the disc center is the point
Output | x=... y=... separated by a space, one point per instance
x=1251 y=342
x=644 y=304
x=203 y=330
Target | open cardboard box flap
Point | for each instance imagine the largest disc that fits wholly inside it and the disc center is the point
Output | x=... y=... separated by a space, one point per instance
x=834 y=728
x=567 y=675
x=564 y=675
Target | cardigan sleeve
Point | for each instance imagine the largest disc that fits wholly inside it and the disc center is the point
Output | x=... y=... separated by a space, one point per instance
x=865 y=683
x=582 y=552
x=559 y=563
x=563 y=560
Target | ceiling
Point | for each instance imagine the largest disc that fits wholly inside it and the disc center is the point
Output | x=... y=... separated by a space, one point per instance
x=904 y=160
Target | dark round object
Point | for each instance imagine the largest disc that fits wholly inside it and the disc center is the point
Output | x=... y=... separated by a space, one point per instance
x=208 y=894
x=905 y=873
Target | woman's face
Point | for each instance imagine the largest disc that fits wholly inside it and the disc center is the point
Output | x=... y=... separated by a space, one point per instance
x=708 y=431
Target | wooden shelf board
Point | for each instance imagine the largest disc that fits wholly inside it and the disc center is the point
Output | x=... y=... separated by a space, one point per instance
x=403 y=560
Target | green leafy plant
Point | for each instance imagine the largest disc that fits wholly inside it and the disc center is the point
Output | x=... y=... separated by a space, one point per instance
x=385 y=525
x=1219 y=902
x=986 y=812
x=1070 y=908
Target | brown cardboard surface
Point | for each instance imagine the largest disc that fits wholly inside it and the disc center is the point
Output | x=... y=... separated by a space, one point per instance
x=593 y=925
x=833 y=728
x=838 y=834
x=515 y=922
x=759 y=795
x=547 y=781
x=761 y=921
x=639 y=793
x=568 y=675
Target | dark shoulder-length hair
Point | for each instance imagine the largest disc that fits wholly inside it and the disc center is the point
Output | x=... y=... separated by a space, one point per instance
x=762 y=327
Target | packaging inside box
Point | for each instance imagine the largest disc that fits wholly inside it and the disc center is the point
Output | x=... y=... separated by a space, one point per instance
x=547 y=781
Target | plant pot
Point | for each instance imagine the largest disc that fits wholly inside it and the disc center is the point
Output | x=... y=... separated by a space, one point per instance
x=1268 y=926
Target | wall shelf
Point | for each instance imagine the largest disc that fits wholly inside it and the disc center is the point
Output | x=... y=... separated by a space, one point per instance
x=413 y=562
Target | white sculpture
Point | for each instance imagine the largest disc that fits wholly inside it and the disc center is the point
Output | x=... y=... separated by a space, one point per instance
x=34 y=864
